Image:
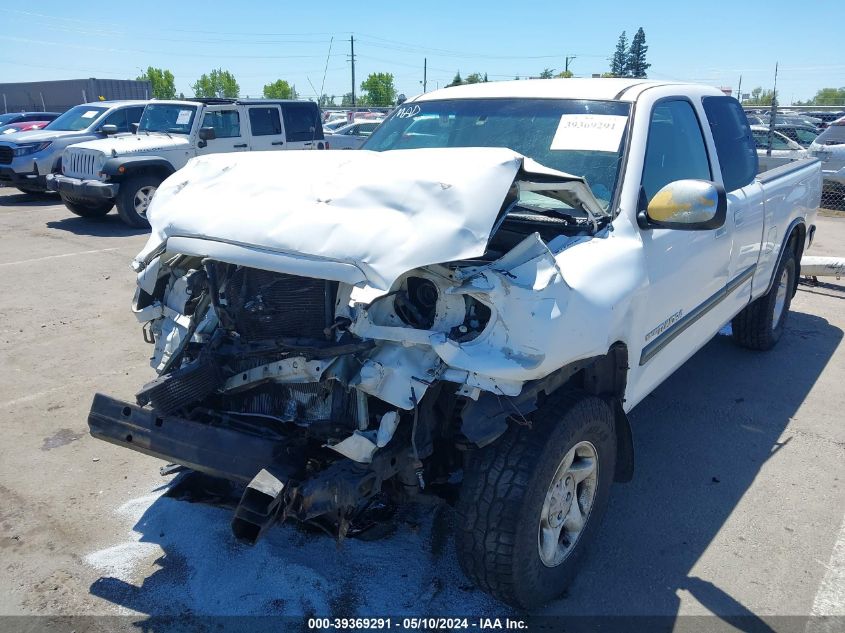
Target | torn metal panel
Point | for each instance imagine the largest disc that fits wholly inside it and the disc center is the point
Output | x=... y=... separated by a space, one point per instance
x=397 y=375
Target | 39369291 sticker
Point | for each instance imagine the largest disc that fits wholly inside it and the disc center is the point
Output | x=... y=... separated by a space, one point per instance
x=596 y=132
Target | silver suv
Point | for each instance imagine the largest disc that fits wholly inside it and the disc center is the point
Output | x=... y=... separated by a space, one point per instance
x=27 y=157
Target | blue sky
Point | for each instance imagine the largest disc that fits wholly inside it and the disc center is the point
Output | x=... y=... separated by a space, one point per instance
x=262 y=40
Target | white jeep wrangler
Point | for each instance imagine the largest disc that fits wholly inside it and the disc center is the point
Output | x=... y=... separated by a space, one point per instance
x=126 y=169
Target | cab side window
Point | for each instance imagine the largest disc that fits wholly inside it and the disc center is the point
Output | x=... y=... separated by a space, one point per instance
x=265 y=121
x=675 y=149
x=133 y=115
x=226 y=123
x=302 y=121
x=118 y=118
x=733 y=140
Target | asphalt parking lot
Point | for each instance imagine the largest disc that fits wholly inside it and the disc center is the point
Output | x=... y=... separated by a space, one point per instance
x=736 y=509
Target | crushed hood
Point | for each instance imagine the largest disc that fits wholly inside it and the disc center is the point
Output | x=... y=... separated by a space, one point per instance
x=124 y=144
x=353 y=216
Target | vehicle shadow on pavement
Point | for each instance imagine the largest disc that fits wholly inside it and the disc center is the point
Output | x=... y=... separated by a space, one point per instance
x=701 y=439
x=108 y=226
x=28 y=200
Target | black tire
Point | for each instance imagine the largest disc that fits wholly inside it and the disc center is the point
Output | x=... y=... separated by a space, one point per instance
x=29 y=192
x=503 y=494
x=126 y=198
x=87 y=209
x=757 y=327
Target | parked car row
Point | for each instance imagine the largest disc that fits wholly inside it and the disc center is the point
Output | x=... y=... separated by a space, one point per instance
x=793 y=140
x=116 y=153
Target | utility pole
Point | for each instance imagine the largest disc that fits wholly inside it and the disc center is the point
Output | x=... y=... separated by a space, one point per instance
x=569 y=59
x=352 y=57
x=425 y=71
x=773 y=113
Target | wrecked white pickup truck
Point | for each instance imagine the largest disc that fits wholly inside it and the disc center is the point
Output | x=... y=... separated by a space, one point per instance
x=377 y=325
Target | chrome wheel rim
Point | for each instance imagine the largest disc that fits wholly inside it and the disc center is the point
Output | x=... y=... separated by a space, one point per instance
x=142 y=199
x=780 y=298
x=568 y=503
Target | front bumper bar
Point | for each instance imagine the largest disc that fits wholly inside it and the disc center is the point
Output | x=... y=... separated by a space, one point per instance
x=82 y=189
x=216 y=451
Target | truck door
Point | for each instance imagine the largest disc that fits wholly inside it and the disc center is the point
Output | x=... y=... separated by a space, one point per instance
x=303 y=129
x=230 y=132
x=686 y=270
x=737 y=155
x=265 y=126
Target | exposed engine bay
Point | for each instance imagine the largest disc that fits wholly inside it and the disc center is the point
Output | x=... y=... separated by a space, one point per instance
x=324 y=395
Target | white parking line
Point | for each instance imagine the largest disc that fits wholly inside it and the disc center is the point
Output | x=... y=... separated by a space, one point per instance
x=40 y=259
x=830 y=598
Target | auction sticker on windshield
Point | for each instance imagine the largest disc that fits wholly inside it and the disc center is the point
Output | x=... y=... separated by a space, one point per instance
x=90 y=114
x=596 y=132
x=184 y=117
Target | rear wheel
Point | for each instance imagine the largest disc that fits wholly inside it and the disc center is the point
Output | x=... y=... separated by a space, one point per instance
x=86 y=209
x=531 y=502
x=760 y=325
x=134 y=197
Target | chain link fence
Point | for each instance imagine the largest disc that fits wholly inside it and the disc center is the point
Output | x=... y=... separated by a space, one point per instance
x=787 y=133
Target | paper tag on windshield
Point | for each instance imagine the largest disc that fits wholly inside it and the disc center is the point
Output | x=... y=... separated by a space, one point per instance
x=90 y=114
x=596 y=132
x=184 y=117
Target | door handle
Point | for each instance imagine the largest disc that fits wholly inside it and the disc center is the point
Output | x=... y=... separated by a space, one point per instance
x=308 y=143
x=241 y=145
x=277 y=143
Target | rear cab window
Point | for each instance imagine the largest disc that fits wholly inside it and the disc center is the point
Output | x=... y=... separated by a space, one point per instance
x=735 y=146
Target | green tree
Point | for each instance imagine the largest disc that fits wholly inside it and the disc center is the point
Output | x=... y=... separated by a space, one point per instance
x=636 y=64
x=828 y=96
x=280 y=89
x=217 y=83
x=379 y=89
x=327 y=100
x=162 y=82
x=619 y=61
x=565 y=74
x=547 y=73
x=760 y=97
x=457 y=81
x=474 y=78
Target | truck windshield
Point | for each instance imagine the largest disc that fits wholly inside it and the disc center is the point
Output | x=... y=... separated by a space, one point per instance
x=579 y=137
x=77 y=118
x=171 y=118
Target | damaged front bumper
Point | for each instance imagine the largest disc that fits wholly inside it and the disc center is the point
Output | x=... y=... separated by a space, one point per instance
x=277 y=481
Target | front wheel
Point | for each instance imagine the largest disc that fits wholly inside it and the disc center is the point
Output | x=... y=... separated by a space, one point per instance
x=531 y=502
x=86 y=209
x=760 y=324
x=134 y=197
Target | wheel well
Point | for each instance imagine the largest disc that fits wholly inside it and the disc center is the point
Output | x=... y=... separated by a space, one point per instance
x=797 y=239
x=148 y=170
x=607 y=377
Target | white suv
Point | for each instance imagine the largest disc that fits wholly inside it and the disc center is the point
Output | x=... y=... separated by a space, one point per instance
x=125 y=170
